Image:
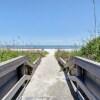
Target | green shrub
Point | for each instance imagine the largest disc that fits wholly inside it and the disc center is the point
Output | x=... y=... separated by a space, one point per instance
x=65 y=54
x=90 y=51
x=6 y=54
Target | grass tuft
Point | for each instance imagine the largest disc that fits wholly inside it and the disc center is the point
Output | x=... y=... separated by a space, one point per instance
x=90 y=51
x=6 y=54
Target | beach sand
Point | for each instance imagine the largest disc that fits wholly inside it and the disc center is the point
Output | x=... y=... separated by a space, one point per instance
x=48 y=50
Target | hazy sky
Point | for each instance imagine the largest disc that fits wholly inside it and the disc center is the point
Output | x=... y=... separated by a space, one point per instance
x=47 y=21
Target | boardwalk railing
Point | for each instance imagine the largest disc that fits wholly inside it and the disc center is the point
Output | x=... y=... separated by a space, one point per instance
x=85 y=75
x=14 y=77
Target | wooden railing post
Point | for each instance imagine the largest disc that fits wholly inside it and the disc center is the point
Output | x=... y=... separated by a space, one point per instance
x=85 y=74
x=14 y=76
x=78 y=71
x=21 y=71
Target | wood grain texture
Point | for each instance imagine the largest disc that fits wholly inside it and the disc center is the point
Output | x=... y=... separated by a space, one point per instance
x=86 y=69
x=12 y=92
x=13 y=74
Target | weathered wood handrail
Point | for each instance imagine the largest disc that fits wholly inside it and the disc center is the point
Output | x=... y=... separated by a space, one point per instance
x=83 y=87
x=15 y=73
x=89 y=65
x=10 y=65
x=13 y=91
x=86 y=73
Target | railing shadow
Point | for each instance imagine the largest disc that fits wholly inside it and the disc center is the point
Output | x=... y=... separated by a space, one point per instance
x=73 y=92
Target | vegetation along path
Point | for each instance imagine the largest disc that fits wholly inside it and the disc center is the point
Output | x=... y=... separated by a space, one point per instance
x=48 y=83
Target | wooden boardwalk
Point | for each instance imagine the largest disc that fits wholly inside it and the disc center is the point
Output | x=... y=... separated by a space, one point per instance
x=48 y=83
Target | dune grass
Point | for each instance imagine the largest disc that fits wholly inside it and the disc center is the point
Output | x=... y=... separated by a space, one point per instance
x=6 y=54
x=64 y=54
x=90 y=51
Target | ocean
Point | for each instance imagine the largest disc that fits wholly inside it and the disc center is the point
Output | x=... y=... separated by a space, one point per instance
x=40 y=46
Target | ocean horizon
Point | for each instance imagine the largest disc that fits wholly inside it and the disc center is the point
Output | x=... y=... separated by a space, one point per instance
x=40 y=46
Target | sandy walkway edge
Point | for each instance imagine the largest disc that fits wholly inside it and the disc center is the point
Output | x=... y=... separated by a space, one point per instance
x=48 y=81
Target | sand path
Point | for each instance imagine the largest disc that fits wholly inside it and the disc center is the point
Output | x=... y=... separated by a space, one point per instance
x=48 y=83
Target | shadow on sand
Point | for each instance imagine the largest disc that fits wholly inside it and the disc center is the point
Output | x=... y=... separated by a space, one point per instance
x=73 y=92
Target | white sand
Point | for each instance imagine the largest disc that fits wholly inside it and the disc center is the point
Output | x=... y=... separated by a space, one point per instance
x=48 y=50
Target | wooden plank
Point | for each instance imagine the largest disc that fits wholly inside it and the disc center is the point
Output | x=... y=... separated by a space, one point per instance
x=92 y=77
x=13 y=91
x=92 y=68
x=21 y=93
x=80 y=96
x=92 y=86
x=10 y=65
x=8 y=86
x=35 y=63
x=7 y=63
x=89 y=65
x=67 y=64
x=62 y=62
x=7 y=77
x=83 y=87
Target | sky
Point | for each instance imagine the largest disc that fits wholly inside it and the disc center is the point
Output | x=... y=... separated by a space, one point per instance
x=54 y=22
